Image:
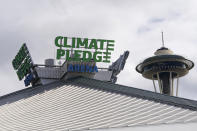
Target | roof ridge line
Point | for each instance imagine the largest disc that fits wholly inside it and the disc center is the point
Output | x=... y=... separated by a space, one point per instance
x=131 y=91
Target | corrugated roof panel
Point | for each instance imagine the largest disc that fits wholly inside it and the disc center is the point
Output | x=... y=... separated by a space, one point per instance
x=76 y=106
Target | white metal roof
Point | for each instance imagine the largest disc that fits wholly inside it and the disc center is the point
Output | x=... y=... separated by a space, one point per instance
x=71 y=106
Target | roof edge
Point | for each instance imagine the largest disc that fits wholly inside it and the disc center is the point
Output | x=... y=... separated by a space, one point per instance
x=101 y=85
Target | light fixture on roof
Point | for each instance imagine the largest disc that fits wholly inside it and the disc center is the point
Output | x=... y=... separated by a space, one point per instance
x=165 y=67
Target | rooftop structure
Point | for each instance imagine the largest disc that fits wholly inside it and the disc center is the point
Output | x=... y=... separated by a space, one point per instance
x=72 y=97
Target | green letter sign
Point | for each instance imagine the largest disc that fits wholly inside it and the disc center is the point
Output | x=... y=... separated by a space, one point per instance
x=22 y=62
x=98 y=50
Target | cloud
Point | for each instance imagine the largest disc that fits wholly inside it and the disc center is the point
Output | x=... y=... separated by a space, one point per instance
x=157 y=20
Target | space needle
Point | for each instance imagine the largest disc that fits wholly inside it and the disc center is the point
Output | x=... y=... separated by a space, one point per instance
x=165 y=67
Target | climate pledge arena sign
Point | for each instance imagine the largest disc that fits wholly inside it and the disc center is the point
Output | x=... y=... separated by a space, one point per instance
x=83 y=50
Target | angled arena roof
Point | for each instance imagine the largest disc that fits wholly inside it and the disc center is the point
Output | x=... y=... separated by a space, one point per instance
x=84 y=104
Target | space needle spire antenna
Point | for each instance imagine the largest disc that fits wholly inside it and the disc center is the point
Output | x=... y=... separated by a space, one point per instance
x=162 y=39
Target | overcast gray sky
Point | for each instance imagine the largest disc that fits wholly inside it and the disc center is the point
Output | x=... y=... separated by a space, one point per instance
x=135 y=25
